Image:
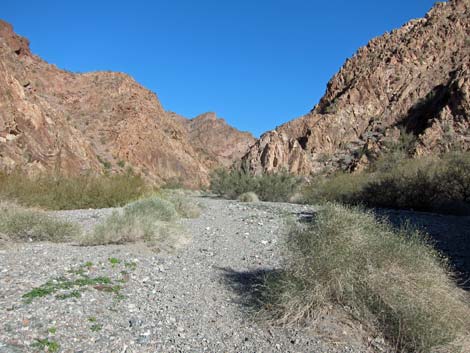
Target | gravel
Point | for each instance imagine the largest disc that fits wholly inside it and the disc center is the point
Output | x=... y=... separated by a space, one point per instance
x=197 y=300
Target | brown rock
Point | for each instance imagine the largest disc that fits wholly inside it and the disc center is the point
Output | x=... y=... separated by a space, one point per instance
x=53 y=120
x=416 y=77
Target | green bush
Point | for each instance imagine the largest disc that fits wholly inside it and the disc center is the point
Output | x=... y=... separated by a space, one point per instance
x=269 y=187
x=341 y=187
x=390 y=280
x=231 y=184
x=62 y=193
x=20 y=224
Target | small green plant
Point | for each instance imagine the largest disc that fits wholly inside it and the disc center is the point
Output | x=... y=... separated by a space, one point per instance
x=52 y=330
x=73 y=285
x=131 y=265
x=121 y=164
x=72 y=294
x=88 y=264
x=92 y=319
x=96 y=327
x=46 y=345
x=114 y=261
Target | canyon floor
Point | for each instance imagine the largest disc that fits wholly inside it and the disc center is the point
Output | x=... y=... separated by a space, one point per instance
x=199 y=299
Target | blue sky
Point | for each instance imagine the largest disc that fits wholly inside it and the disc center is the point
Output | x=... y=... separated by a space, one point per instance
x=257 y=63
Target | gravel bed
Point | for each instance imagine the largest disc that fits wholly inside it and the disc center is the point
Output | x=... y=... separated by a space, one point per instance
x=192 y=301
x=197 y=300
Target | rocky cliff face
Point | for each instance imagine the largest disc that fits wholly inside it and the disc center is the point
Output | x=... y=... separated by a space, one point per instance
x=219 y=143
x=415 y=78
x=53 y=120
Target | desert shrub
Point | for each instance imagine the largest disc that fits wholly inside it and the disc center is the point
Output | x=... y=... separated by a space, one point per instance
x=155 y=207
x=248 y=197
x=232 y=183
x=173 y=183
x=395 y=152
x=20 y=224
x=269 y=187
x=184 y=205
x=150 y=220
x=388 y=279
x=341 y=187
x=278 y=187
x=61 y=193
x=430 y=184
x=437 y=184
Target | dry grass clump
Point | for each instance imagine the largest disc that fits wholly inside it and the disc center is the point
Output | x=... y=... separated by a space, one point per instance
x=388 y=279
x=58 y=192
x=149 y=220
x=248 y=197
x=184 y=205
x=20 y=224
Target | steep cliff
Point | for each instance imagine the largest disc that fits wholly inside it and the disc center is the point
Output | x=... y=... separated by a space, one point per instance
x=415 y=78
x=53 y=120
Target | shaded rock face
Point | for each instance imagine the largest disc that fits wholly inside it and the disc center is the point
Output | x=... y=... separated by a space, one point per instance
x=53 y=120
x=415 y=78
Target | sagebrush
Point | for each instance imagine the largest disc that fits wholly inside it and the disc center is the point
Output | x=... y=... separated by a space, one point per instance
x=391 y=280
x=20 y=224
x=152 y=220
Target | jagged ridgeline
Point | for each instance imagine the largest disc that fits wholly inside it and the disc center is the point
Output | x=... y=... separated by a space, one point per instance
x=53 y=121
x=414 y=79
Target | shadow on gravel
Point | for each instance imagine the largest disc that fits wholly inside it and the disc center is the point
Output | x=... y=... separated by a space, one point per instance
x=248 y=285
x=449 y=234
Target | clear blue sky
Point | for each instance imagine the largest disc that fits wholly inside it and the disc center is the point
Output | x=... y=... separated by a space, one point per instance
x=257 y=63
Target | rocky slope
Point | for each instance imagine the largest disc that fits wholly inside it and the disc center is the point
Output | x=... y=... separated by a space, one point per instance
x=53 y=120
x=223 y=145
x=415 y=78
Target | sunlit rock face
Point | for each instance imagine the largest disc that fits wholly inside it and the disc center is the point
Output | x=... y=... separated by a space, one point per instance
x=414 y=78
x=54 y=120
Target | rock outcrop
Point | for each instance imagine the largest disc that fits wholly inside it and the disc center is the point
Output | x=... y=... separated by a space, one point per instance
x=218 y=142
x=54 y=120
x=415 y=78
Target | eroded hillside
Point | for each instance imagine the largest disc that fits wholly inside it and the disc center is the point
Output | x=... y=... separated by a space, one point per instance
x=54 y=120
x=416 y=78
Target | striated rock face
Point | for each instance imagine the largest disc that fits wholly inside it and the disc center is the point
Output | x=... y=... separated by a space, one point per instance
x=53 y=120
x=415 y=78
x=216 y=141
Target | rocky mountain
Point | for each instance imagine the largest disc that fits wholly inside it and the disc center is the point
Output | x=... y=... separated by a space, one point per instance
x=54 y=120
x=414 y=79
x=223 y=145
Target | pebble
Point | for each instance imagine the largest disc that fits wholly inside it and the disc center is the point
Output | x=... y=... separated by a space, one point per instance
x=193 y=301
